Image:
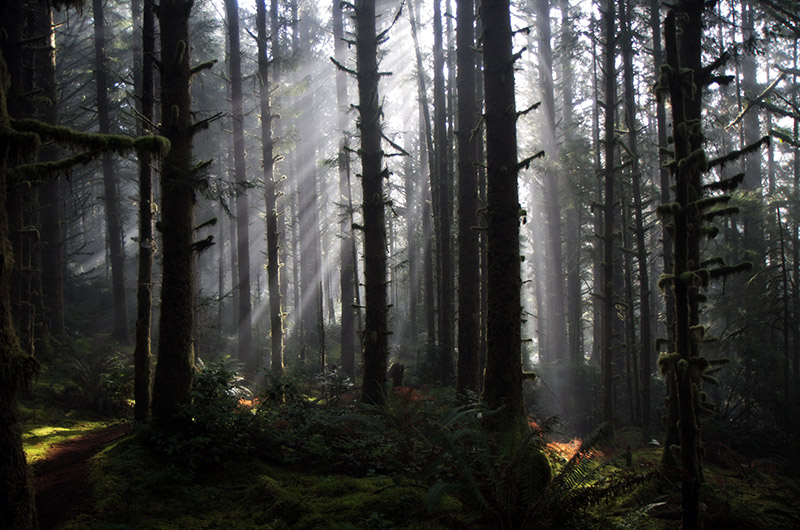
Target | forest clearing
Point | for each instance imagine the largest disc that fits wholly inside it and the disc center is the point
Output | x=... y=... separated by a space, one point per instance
x=481 y=264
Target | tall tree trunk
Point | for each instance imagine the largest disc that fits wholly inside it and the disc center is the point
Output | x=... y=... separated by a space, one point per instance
x=468 y=252
x=245 y=327
x=17 y=504
x=372 y=175
x=50 y=193
x=645 y=345
x=120 y=331
x=173 y=379
x=346 y=241
x=503 y=380
x=444 y=364
x=144 y=294
x=554 y=328
x=609 y=54
x=270 y=193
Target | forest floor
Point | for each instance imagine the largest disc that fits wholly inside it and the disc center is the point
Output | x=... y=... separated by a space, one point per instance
x=61 y=476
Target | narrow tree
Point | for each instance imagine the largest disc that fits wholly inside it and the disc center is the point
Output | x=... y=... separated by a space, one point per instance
x=443 y=210
x=144 y=290
x=244 y=329
x=346 y=241
x=468 y=253
x=111 y=199
x=270 y=193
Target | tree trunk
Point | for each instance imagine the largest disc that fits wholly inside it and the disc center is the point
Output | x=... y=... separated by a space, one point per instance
x=554 y=328
x=270 y=193
x=173 y=379
x=17 y=504
x=608 y=22
x=503 y=381
x=443 y=366
x=645 y=337
x=346 y=241
x=372 y=175
x=468 y=251
x=120 y=331
x=144 y=294
x=50 y=193
x=245 y=327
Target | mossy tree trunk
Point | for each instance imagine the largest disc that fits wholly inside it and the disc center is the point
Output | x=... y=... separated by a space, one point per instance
x=173 y=379
x=503 y=380
x=144 y=288
x=468 y=252
x=115 y=235
x=372 y=175
x=270 y=193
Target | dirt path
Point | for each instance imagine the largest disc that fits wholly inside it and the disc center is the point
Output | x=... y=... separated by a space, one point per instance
x=61 y=477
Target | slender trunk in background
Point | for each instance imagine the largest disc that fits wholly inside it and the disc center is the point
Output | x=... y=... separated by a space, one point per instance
x=574 y=206
x=426 y=159
x=469 y=287
x=443 y=366
x=645 y=353
x=484 y=257
x=754 y=248
x=671 y=412
x=244 y=327
x=53 y=260
x=120 y=330
x=411 y=197
x=503 y=381
x=372 y=174
x=144 y=293
x=270 y=194
x=597 y=210
x=554 y=317
x=346 y=239
x=610 y=97
x=173 y=380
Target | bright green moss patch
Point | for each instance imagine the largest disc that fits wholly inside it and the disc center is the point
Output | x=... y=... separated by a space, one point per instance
x=36 y=440
x=132 y=489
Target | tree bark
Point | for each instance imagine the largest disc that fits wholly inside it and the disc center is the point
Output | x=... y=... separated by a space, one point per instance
x=270 y=194
x=468 y=252
x=245 y=326
x=503 y=380
x=144 y=293
x=173 y=379
x=372 y=175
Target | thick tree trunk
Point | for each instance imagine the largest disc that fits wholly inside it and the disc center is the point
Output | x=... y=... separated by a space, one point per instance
x=270 y=194
x=144 y=294
x=173 y=380
x=17 y=505
x=120 y=331
x=468 y=252
x=503 y=381
x=372 y=175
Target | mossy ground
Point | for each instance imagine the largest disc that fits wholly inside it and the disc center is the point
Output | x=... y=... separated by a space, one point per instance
x=133 y=489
